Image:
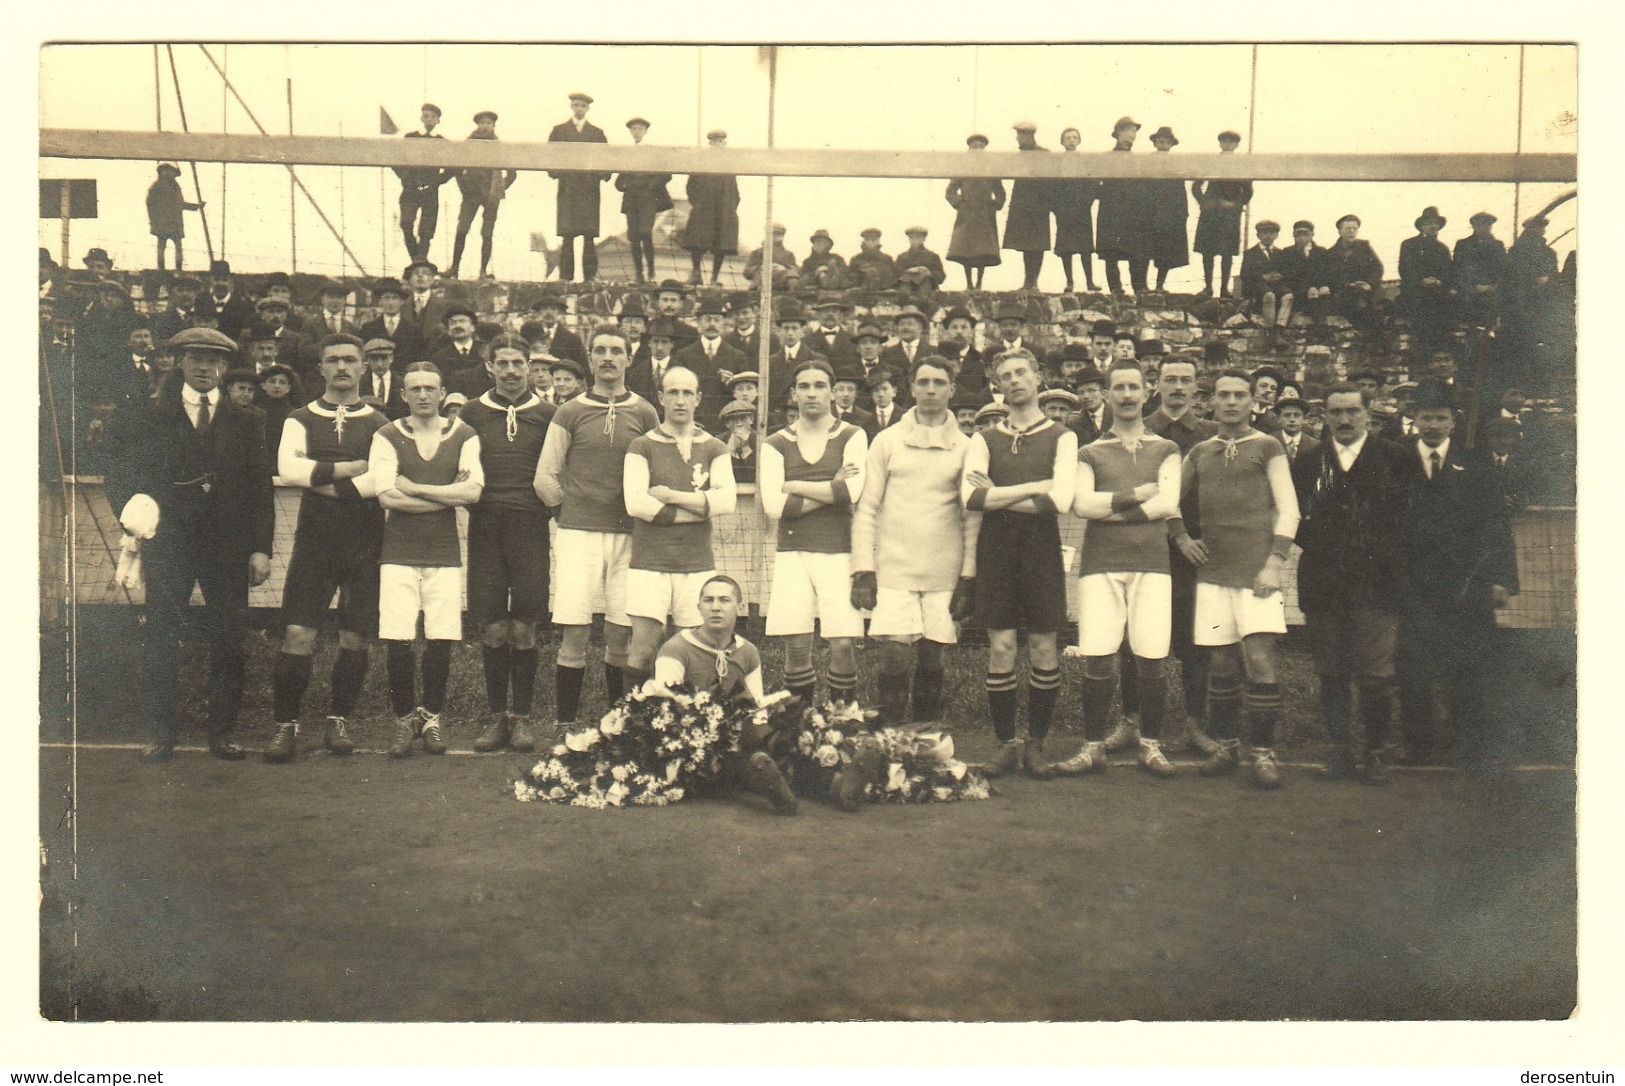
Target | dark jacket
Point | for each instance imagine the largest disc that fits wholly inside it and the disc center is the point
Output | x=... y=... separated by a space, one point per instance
x=484 y=186
x=410 y=344
x=1349 y=529
x=1455 y=532
x=1422 y=257
x=1354 y=262
x=563 y=344
x=713 y=394
x=1259 y=266
x=1480 y=262
x=156 y=446
x=1026 y=226
x=713 y=215
x=423 y=178
x=165 y=205
x=1307 y=269
x=578 y=189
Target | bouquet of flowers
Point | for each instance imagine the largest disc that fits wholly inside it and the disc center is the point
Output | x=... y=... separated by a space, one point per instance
x=917 y=761
x=647 y=751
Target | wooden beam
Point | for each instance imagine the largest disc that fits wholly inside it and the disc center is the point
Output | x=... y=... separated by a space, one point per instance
x=794 y=162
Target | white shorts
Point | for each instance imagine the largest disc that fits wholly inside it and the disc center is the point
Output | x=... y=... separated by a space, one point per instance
x=1225 y=615
x=1109 y=603
x=912 y=615
x=590 y=564
x=652 y=594
x=809 y=585
x=403 y=591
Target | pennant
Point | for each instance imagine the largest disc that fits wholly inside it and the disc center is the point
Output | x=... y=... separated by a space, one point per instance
x=386 y=123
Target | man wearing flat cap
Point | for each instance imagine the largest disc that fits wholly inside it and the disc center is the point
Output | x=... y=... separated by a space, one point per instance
x=1026 y=227
x=482 y=191
x=1265 y=286
x=643 y=196
x=191 y=480
x=420 y=190
x=1427 y=280
x=786 y=272
x=165 y=207
x=824 y=268
x=1218 y=227
x=713 y=217
x=1481 y=268
x=872 y=268
x=1121 y=231
x=1356 y=274
x=381 y=385
x=578 y=194
x=1308 y=269
x=918 y=256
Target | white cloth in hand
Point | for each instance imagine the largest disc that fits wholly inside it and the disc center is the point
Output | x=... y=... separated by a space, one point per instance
x=140 y=517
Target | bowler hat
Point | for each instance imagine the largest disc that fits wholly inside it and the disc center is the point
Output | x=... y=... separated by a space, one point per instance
x=202 y=339
x=1229 y=135
x=100 y=254
x=821 y=233
x=1165 y=133
x=1089 y=375
x=482 y=114
x=672 y=286
x=1103 y=327
x=461 y=309
x=388 y=286
x=1432 y=395
x=1430 y=214
x=790 y=310
x=1125 y=122
x=219 y=267
x=710 y=304
x=848 y=373
x=416 y=264
x=741 y=300
x=632 y=306
x=958 y=313
x=1011 y=310
x=174 y=170
x=869 y=330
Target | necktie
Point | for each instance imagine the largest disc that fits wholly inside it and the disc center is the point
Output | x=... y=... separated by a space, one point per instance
x=1435 y=461
x=203 y=413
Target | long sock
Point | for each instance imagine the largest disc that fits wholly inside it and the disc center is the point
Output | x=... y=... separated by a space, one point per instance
x=802 y=683
x=567 y=685
x=696 y=256
x=893 y=691
x=1001 y=703
x=1152 y=679
x=403 y=696
x=436 y=673
x=1376 y=708
x=1223 y=706
x=1128 y=686
x=1334 y=707
x=349 y=672
x=1193 y=677
x=522 y=675
x=288 y=682
x=1043 y=688
x=843 y=685
x=1263 y=713
x=614 y=682
x=716 y=266
x=928 y=676
x=1032 y=264
x=1114 y=276
x=1097 y=703
x=498 y=661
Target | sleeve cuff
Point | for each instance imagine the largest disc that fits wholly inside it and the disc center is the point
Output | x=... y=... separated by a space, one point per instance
x=1123 y=500
x=977 y=500
x=1044 y=503
x=321 y=474
x=843 y=496
x=1281 y=547
x=667 y=515
x=793 y=507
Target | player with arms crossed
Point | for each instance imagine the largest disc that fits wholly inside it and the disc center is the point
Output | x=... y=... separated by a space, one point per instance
x=336 y=546
x=507 y=541
x=1019 y=473
x=1128 y=487
x=1241 y=485
x=580 y=475
x=811 y=477
x=676 y=478
x=424 y=467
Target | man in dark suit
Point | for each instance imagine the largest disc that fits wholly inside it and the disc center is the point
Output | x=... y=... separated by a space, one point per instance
x=182 y=303
x=958 y=344
x=420 y=190
x=790 y=325
x=910 y=324
x=1427 y=280
x=381 y=386
x=1351 y=494
x=644 y=374
x=644 y=197
x=1460 y=567
x=1265 y=283
x=460 y=355
x=1292 y=414
x=711 y=359
x=427 y=310
x=633 y=320
x=669 y=302
x=1308 y=272
x=1012 y=318
x=230 y=306
x=191 y=477
x=844 y=399
x=744 y=331
x=578 y=194
x=334 y=319
x=1090 y=385
x=393 y=324
x=829 y=337
x=556 y=339
x=292 y=349
x=1356 y=273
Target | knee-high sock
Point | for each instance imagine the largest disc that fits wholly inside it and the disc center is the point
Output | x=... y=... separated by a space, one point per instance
x=1128 y=686
x=522 y=672
x=436 y=673
x=843 y=685
x=928 y=676
x=1376 y=709
x=1001 y=703
x=567 y=687
x=1096 y=706
x=1223 y=706
x=1151 y=676
x=801 y=682
x=288 y=682
x=1334 y=707
x=498 y=662
x=1043 y=689
x=403 y=695
x=349 y=672
x=893 y=682
x=1263 y=713
x=614 y=682
x=1193 y=677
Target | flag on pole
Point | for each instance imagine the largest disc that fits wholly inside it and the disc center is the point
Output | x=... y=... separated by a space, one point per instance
x=386 y=123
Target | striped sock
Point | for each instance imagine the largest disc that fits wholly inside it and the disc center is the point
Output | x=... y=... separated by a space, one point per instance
x=1263 y=713
x=1043 y=689
x=1001 y=703
x=1223 y=706
x=843 y=685
x=801 y=683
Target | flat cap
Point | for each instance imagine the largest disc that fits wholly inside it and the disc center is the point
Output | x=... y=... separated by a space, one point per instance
x=1303 y=224
x=378 y=345
x=912 y=231
x=869 y=232
x=429 y=107
x=743 y=376
x=992 y=411
x=578 y=96
x=1024 y=126
x=270 y=303
x=478 y=117
x=637 y=121
x=869 y=330
x=1482 y=216
x=1350 y=217
x=717 y=134
x=737 y=410
x=566 y=364
x=1229 y=135
x=821 y=233
x=1058 y=395
x=1267 y=225
x=202 y=339
x=975 y=138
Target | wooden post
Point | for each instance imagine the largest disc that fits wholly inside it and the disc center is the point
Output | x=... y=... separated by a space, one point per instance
x=293 y=199
x=764 y=321
x=66 y=219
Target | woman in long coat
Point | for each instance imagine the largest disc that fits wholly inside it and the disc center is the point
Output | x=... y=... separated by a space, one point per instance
x=1168 y=211
x=1121 y=231
x=1073 y=200
x=1026 y=227
x=713 y=217
x=976 y=201
x=1218 y=225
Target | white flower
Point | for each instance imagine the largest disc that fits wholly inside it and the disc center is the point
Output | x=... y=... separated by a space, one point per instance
x=834 y=736
x=617 y=794
x=956 y=770
x=621 y=772
x=582 y=741
x=560 y=750
x=896 y=777
x=613 y=723
x=673 y=767
x=674 y=795
x=943 y=792
x=828 y=757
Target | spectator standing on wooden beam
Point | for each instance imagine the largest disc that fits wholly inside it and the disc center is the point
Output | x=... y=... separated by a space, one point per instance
x=420 y=191
x=1026 y=228
x=578 y=194
x=483 y=190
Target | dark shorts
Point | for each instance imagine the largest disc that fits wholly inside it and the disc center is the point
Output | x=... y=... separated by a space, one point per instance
x=1020 y=579
x=335 y=550
x=507 y=565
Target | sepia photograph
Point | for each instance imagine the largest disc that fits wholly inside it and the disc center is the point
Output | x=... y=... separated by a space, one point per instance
x=800 y=533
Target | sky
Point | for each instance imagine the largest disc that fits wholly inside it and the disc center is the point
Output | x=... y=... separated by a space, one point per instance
x=1310 y=98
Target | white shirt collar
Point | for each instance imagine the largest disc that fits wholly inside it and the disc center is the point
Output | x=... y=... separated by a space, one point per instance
x=1424 y=452
x=1348 y=454
x=191 y=396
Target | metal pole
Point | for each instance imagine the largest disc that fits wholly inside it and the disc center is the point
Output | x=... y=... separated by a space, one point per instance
x=66 y=219
x=764 y=349
x=157 y=90
x=180 y=104
x=293 y=200
x=1252 y=115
